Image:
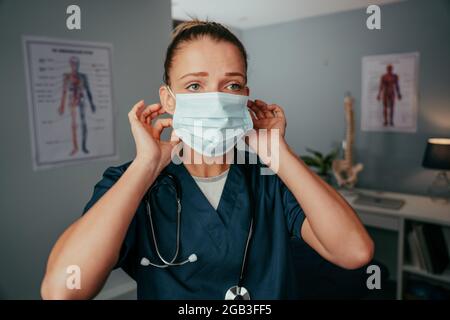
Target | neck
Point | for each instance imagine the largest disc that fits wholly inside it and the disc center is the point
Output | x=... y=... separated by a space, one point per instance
x=207 y=167
x=206 y=170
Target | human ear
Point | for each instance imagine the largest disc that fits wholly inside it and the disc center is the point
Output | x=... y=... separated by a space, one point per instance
x=167 y=101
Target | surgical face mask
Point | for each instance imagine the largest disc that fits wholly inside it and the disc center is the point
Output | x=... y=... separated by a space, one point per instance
x=211 y=123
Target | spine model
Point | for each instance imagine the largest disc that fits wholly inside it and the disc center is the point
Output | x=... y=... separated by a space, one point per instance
x=344 y=171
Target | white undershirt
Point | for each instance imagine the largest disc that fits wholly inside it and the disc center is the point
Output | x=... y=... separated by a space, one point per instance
x=212 y=187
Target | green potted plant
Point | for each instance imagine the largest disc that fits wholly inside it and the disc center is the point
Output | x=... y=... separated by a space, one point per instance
x=320 y=162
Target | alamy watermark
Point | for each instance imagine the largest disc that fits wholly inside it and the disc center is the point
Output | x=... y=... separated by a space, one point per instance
x=73 y=21
x=374 y=280
x=73 y=280
x=373 y=21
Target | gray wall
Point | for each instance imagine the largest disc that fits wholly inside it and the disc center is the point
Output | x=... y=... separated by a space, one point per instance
x=37 y=206
x=306 y=66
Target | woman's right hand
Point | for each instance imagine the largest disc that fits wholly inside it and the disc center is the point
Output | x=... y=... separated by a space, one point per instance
x=150 y=149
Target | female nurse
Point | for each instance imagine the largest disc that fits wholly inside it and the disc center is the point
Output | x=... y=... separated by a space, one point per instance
x=235 y=222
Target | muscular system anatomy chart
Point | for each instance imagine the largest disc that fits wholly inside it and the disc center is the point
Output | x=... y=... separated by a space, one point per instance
x=70 y=101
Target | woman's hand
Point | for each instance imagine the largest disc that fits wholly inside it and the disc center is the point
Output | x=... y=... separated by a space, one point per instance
x=150 y=149
x=269 y=123
x=267 y=116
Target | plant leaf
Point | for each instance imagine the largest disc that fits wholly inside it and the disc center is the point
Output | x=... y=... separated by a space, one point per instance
x=330 y=157
x=316 y=153
x=310 y=161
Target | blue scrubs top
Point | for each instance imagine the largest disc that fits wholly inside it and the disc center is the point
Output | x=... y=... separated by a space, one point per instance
x=217 y=237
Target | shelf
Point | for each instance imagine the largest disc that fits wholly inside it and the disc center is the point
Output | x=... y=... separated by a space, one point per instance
x=444 y=277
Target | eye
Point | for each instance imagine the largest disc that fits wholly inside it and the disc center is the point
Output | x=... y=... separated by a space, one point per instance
x=193 y=86
x=234 y=87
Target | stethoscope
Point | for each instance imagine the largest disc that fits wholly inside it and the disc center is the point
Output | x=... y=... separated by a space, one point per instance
x=237 y=292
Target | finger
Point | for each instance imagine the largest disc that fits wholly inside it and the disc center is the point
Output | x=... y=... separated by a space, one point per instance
x=279 y=113
x=143 y=115
x=270 y=109
x=257 y=111
x=134 y=113
x=150 y=116
x=149 y=119
x=260 y=103
x=253 y=116
x=159 y=126
x=277 y=110
x=158 y=113
x=174 y=138
x=154 y=115
x=250 y=110
x=151 y=109
x=266 y=109
x=269 y=113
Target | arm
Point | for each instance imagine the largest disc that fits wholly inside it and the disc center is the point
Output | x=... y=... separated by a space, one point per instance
x=331 y=227
x=397 y=87
x=94 y=241
x=99 y=233
x=380 y=88
x=63 y=97
x=88 y=91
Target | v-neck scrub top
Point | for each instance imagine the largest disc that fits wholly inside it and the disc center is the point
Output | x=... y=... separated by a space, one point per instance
x=212 y=187
x=217 y=237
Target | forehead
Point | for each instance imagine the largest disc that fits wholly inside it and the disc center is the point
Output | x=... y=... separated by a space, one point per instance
x=205 y=54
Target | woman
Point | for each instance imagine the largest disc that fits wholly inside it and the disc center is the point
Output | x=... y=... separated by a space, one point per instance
x=235 y=222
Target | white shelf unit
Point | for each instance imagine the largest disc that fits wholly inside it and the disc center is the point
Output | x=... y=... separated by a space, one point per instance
x=443 y=278
x=419 y=209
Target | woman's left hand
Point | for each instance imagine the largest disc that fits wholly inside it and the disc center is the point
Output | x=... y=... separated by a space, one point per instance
x=267 y=116
x=271 y=118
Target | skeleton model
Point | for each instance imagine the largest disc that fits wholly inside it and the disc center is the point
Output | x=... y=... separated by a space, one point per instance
x=343 y=169
x=76 y=83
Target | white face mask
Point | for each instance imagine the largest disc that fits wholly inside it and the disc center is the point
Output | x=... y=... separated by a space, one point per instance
x=211 y=123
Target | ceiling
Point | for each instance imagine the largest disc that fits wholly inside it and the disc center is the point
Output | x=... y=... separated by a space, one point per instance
x=244 y=14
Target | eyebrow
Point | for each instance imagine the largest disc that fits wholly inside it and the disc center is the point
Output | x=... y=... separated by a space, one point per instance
x=205 y=74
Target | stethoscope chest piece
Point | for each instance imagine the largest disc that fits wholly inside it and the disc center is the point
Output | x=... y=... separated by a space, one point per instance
x=237 y=293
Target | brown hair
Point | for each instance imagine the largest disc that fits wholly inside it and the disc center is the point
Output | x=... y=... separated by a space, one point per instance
x=194 y=29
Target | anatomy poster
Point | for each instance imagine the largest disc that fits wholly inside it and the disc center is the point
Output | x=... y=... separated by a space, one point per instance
x=389 y=92
x=70 y=101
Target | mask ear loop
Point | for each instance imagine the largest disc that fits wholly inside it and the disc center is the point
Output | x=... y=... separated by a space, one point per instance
x=171 y=93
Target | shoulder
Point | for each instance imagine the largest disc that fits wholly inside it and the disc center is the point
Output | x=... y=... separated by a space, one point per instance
x=257 y=171
x=113 y=173
x=110 y=176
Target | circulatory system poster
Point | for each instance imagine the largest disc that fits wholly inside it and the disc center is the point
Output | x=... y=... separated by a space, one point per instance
x=70 y=101
x=390 y=92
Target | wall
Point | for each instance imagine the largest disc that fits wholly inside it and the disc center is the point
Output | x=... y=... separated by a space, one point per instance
x=308 y=65
x=37 y=206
